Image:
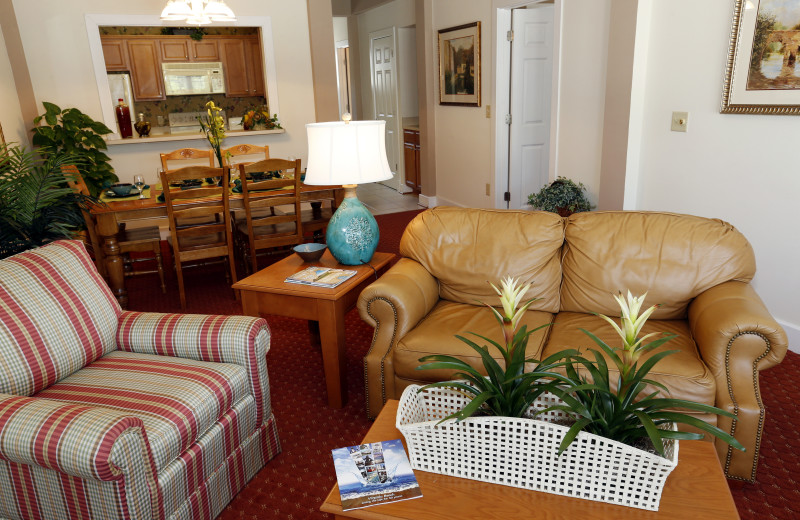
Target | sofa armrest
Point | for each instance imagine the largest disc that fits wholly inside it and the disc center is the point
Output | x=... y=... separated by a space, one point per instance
x=238 y=340
x=723 y=313
x=737 y=337
x=393 y=305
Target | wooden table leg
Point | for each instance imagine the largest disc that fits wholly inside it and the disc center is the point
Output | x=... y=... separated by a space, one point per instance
x=108 y=230
x=331 y=331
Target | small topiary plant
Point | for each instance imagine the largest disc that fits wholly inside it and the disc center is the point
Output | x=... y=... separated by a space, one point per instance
x=561 y=196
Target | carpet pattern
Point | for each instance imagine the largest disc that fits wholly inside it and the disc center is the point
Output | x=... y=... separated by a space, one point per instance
x=293 y=485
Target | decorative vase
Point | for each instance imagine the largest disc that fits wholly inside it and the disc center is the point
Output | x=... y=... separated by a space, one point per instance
x=142 y=127
x=523 y=452
x=352 y=234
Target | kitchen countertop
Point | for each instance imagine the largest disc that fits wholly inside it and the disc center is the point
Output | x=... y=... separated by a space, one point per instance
x=160 y=134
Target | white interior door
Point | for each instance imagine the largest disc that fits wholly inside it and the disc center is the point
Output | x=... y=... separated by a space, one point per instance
x=531 y=84
x=385 y=98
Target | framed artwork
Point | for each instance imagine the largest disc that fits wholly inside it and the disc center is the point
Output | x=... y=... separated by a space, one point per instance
x=460 y=65
x=763 y=68
x=2 y=137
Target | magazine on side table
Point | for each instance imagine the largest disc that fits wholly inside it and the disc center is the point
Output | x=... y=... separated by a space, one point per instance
x=321 y=276
x=374 y=473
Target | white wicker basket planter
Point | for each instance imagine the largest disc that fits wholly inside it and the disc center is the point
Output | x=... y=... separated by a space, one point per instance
x=523 y=452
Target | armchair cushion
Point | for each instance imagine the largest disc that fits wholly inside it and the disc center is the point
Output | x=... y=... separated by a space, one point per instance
x=56 y=315
x=177 y=400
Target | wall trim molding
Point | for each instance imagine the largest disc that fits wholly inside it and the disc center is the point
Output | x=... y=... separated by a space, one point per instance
x=428 y=202
x=793 y=333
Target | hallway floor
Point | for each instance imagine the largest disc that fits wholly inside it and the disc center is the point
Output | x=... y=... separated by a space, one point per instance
x=380 y=199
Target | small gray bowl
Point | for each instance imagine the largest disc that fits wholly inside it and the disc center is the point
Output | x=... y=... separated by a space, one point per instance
x=310 y=252
x=121 y=189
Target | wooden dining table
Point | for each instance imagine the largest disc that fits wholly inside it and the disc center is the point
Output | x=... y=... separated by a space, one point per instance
x=109 y=214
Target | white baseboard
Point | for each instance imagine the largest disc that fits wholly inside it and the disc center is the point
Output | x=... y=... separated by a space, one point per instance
x=793 y=333
x=428 y=202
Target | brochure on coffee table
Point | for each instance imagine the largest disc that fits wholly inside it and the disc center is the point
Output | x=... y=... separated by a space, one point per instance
x=375 y=473
x=321 y=276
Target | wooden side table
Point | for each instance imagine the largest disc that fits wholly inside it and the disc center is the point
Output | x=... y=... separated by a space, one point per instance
x=696 y=489
x=265 y=292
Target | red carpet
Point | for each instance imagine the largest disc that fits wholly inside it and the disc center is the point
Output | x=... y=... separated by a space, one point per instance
x=294 y=484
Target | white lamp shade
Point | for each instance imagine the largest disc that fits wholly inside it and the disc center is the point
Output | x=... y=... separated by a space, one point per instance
x=347 y=153
x=176 y=10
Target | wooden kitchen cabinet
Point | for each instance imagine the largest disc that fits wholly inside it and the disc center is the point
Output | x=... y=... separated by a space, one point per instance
x=411 y=156
x=115 y=54
x=244 y=66
x=145 y=68
x=174 y=50
x=205 y=50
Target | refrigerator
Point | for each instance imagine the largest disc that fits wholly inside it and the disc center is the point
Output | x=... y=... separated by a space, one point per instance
x=120 y=86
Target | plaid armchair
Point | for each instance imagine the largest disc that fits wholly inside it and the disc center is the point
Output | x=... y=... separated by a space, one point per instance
x=112 y=414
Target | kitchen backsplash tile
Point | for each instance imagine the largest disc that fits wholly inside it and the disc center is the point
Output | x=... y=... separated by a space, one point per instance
x=233 y=107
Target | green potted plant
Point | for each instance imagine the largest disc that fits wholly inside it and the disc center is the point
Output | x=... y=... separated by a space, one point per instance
x=72 y=132
x=36 y=204
x=561 y=196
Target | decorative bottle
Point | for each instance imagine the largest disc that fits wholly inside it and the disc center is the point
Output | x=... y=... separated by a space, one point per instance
x=124 y=119
x=142 y=127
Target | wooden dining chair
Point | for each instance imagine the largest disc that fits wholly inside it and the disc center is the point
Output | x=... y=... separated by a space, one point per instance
x=259 y=229
x=205 y=231
x=135 y=240
x=186 y=154
x=258 y=153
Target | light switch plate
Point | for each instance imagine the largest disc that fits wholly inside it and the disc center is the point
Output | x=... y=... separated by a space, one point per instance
x=488 y=111
x=680 y=121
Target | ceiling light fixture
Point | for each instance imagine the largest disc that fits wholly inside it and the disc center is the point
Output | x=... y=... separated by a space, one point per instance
x=197 y=12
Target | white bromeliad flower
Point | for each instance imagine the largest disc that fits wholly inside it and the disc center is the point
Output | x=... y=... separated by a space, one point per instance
x=510 y=297
x=631 y=323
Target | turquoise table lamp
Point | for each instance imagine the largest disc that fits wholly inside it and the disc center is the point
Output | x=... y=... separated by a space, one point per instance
x=348 y=153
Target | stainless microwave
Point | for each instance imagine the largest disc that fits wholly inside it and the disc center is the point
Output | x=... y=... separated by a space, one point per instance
x=186 y=79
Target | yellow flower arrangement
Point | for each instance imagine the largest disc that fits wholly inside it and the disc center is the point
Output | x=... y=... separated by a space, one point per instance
x=259 y=118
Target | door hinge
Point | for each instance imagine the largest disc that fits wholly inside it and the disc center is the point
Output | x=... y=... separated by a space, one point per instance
x=508 y=119
x=510 y=36
x=507 y=196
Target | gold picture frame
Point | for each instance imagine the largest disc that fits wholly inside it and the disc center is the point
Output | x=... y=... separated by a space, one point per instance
x=762 y=85
x=460 y=65
x=2 y=137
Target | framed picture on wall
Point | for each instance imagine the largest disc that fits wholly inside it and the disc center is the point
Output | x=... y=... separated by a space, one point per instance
x=460 y=65
x=763 y=68
x=2 y=137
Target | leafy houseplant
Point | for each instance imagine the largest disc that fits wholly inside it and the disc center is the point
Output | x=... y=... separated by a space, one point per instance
x=505 y=392
x=561 y=196
x=72 y=132
x=625 y=413
x=36 y=204
x=214 y=127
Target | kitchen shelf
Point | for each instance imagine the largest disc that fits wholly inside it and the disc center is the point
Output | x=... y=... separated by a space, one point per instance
x=188 y=136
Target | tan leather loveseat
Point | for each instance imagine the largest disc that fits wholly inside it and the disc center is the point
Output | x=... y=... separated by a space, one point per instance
x=698 y=269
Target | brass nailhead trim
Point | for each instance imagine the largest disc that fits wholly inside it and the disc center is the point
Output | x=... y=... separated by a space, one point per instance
x=736 y=406
x=391 y=346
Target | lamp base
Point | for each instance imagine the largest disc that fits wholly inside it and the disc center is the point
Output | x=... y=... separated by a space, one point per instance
x=352 y=235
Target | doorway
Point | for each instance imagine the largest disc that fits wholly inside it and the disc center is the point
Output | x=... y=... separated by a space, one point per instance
x=385 y=99
x=526 y=99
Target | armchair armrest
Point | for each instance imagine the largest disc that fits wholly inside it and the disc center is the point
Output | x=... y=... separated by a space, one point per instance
x=737 y=337
x=393 y=305
x=239 y=340
x=83 y=441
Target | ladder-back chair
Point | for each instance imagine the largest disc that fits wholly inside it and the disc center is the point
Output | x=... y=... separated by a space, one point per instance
x=204 y=231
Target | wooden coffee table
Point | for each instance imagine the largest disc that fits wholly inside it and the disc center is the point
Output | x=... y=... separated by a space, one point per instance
x=265 y=292
x=695 y=490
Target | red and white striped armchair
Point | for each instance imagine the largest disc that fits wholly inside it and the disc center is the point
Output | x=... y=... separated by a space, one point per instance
x=113 y=414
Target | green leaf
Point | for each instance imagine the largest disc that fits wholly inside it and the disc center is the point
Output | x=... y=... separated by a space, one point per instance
x=573 y=432
x=51 y=108
x=652 y=432
x=701 y=425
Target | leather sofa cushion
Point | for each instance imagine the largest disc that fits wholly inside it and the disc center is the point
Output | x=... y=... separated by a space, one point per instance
x=177 y=399
x=672 y=257
x=436 y=335
x=456 y=244
x=683 y=373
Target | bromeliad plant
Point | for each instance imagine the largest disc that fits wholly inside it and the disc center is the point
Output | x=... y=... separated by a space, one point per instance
x=626 y=414
x=505 y=392
x=214 y=127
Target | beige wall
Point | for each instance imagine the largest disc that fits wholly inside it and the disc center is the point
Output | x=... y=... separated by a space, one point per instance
x=740 y=168
x=57 y=51
x=14 y=127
